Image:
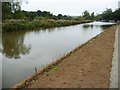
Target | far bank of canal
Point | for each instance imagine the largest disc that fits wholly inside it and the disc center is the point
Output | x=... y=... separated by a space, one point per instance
x=23 y=51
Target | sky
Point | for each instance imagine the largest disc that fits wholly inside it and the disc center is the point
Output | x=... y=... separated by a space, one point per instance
x=69 y=7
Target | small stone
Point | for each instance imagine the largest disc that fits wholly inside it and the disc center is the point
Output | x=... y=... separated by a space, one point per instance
x=27 y=83
x=33 y=81
x=45 y=74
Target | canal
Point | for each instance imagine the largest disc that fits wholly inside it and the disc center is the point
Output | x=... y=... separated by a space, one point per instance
x=23 y=51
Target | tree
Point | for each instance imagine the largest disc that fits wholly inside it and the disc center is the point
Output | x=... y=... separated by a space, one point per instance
x=31 y=15
x=98 y=17
x=107 y=15
x=60 y=16
x=6 y=10
x=86 y=15
x=116 y=15
x=39 y=13
x=9 y=8
x=19 y=15
x=92 y=16
x=15 y=6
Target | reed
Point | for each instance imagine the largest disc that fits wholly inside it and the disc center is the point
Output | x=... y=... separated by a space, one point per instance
x=43 y=24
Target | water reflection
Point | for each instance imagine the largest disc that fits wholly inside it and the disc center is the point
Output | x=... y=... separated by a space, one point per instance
x=105 y=26
x=102 y=25
x=13 y=45
x=86 y=26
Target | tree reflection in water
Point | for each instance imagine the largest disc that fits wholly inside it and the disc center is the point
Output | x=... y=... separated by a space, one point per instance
x=105 y=26
x=13 y=44
x=86 y=26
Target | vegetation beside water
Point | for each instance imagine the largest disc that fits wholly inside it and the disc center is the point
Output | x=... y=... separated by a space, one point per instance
x=43 y=24
x=109 y=15
x=16 y=19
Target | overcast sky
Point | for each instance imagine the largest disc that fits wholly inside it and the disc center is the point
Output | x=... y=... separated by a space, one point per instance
x=70 y=7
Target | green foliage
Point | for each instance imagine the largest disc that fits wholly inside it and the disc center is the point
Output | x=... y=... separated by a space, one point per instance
x=86 y=15
x=29 y=25
x=116 y=15
x=15 y=19
x=15 y=6
x=6 y=10
x=53 y=69
x=9 y=9
x=12 y=10
x=108 y=15
x=92 y=16
x=18 y=15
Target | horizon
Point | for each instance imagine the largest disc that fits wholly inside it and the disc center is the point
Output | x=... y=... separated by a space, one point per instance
x=64 y=7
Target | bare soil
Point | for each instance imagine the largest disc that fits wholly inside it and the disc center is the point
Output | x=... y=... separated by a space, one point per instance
x=88 y=67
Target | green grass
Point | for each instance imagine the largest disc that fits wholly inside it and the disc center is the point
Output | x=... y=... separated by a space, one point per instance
x=53 y=69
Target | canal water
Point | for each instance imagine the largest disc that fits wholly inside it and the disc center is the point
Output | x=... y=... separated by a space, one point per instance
x=23 y=51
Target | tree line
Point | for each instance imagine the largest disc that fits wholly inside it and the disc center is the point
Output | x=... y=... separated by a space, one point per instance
x=16 y=19
x=109 y=15
x=12 y=10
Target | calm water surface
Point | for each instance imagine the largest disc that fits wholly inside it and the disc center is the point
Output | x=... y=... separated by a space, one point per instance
x=22 y=51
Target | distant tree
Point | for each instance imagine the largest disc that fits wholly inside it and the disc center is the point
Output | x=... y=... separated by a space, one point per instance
x=19 y=15
x=46 y=14
x=86 y=15
x=6 y=10
x=31 y=15
x=92 y=16
x=98 y=17
x=116 y=15
x=15 y=6
x=107 y=14
x=60 y=16
x=9 y=8
x=39 y=13
x=54 y=17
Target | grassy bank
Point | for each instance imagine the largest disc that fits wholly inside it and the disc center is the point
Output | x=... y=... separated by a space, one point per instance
x=43 y=24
